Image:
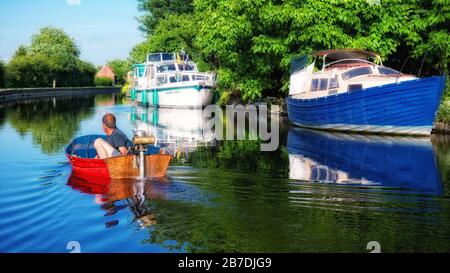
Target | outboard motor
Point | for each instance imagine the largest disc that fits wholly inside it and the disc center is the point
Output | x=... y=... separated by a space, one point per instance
x=140 y=142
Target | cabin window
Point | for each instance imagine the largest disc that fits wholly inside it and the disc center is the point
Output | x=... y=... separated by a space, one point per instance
x=161 y=80
x=200 y=78
x=166 y=68
x=189 y=67
x=356 y=72
x=186 y=67
x=387 y=71
x=323 y=84
x=314 y=85
x=334 y=83
x=354 y=87
x=183 y=78
x=167 y=56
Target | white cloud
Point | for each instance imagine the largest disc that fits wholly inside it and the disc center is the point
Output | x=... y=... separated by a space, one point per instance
x=73 y=2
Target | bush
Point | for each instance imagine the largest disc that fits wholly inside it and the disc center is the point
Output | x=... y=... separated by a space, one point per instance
x=126 y=87
x=443 y=114
x=29 y=71
x=101 y=81
x=2 y=75
x=52 y=55
x=120 y=68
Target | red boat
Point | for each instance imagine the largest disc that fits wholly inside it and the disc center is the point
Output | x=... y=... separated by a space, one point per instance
x=81 y=154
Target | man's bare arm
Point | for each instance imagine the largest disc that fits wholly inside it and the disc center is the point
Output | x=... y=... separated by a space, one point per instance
x=123 y=150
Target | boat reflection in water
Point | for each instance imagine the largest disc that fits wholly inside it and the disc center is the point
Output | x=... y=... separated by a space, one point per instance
x=403 y=163
x=177 y=130
x=134 y=193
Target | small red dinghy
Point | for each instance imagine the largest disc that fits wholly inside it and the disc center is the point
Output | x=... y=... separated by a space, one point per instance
x=81 y=154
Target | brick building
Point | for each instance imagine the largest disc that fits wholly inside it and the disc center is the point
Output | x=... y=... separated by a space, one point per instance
x=106 y=72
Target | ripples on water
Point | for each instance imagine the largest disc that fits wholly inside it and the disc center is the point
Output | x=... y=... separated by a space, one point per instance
x=319 y=192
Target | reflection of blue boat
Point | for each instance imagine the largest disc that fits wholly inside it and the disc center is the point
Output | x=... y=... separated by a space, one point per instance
x=405 y=163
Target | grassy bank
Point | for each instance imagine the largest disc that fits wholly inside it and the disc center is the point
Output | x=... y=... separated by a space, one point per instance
x=444 y=110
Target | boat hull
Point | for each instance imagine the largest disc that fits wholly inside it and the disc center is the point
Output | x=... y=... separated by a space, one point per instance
x=119 y=167
x=406 y=108
x=81 y=155
x=181 y=97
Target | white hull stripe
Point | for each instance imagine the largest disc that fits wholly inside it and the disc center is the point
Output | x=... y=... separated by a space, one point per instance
x=381 y=129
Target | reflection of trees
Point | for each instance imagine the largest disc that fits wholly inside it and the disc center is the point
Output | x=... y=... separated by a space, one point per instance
x=242 y=156
x=255 y=215
x=441 y=145
x=110 y=99
x=52 y=123
x=2 y=115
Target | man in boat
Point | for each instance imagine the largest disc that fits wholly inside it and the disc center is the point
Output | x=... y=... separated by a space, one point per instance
x=116 y=142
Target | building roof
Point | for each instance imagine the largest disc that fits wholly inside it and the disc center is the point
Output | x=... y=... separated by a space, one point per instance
x=106 y=72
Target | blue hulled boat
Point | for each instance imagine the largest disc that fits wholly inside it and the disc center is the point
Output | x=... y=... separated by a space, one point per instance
x=355 y=92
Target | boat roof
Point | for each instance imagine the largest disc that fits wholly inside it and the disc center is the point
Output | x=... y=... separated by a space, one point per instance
x=338 y=54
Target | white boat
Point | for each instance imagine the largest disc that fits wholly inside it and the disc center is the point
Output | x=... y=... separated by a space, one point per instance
x=171 y=80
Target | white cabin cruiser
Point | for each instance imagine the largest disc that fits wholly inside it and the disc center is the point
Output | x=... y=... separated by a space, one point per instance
x=171 y=80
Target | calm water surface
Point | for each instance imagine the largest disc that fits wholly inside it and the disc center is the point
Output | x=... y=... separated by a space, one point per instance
x=319 y=192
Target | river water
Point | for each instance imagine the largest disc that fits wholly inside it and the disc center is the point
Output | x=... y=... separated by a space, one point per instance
x=319 y=192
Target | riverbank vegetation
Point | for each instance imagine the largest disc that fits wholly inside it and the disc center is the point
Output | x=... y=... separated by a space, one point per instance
x=52 y=58
x=250 y=42
x=2 y=74
x=121 y=69
x=102 y=81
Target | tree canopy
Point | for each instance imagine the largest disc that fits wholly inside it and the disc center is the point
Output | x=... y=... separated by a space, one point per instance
x=2 y=74
x=120 y=68
x=156 y=10
x=52 y=56
x=251 y=42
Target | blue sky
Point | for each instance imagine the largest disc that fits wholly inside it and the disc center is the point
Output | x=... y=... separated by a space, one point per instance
x=103 y=29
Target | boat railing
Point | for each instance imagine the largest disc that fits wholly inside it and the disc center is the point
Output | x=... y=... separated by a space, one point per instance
x=347 y=60
x=194 y=76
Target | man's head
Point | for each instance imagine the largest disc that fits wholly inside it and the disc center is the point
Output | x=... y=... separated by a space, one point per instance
x=109 y=123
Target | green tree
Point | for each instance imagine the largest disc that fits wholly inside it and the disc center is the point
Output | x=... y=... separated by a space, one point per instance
x=156 y=10
x=57 y=46
x=120 y=68
x=251 y=42
x=28 y=71
x=2 y=74
x=183 y=30
x=52 y=55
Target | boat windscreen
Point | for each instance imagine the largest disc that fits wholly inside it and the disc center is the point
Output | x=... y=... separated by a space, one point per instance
x=158 y=57
x=299 y=62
